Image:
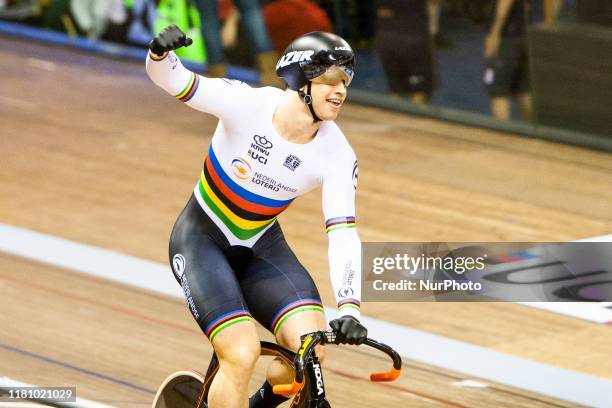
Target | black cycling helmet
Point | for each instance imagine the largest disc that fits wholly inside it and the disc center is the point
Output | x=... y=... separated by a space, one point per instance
x=310 y=56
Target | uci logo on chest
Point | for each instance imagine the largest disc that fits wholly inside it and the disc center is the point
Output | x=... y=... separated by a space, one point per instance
x=260 y=149
x=294 y=56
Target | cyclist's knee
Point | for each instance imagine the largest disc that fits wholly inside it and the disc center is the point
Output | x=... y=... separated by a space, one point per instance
x=239 y=348
x=298 y=324
x=240 y=354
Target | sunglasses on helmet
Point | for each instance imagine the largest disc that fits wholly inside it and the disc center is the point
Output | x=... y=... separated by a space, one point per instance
x=334 y=75
x=322 y=62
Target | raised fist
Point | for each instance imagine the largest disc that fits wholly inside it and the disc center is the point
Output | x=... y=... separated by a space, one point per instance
x=170 y=38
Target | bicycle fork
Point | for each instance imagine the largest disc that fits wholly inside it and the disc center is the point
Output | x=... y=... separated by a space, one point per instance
x=316 y=386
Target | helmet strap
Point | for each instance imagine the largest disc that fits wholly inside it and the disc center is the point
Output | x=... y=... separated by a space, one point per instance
x=307 y=98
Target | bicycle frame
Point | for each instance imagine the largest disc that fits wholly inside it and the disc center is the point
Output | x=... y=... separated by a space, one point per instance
x=308 y=387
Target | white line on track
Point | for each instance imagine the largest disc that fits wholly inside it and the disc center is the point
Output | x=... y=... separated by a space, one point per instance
x=41 y=64
x=429 y=348
x=17 y=103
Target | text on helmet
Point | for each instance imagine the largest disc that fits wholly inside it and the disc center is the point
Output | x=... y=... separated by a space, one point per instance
x=294 y=56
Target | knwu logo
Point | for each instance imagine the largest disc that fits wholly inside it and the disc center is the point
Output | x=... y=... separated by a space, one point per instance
x=294 y=56
x=260 y=149
x=262 y=141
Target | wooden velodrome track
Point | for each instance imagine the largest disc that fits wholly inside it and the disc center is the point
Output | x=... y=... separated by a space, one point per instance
x=92 y=151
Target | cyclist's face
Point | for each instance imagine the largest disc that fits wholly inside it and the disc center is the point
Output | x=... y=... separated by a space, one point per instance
x=328 y=95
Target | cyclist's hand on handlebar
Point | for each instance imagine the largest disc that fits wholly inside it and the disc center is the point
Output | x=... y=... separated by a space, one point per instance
x=348 y=330
x=170 y=38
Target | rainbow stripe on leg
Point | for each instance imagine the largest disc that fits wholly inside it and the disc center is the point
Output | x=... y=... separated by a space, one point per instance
x=225 y=321
x=293 y=308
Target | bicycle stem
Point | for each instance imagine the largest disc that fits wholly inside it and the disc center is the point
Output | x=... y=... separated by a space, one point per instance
x=311 y=340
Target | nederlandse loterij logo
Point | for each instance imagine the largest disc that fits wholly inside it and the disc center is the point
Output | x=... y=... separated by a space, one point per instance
x=241 y=168
x=294 y=56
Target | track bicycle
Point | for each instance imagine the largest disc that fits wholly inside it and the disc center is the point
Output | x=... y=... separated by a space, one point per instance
x=189 y=389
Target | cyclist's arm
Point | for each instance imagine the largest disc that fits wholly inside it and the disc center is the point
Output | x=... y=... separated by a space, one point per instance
x=219 y=97
x=344 y=249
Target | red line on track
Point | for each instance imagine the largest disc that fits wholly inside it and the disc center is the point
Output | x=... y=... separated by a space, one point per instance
x=398 y=387
x=111 y=307
x=128 y=312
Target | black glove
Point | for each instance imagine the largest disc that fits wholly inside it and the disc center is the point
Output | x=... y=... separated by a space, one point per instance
x=169 y=39
x=348 y=330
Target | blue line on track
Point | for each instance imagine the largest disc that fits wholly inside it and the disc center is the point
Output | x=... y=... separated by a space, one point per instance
x=75 y=368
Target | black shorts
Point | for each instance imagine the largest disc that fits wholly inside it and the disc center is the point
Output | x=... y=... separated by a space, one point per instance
x=226 y=284
x=507 y=73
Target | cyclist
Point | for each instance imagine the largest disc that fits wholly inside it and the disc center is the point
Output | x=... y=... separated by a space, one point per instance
x=227 y=249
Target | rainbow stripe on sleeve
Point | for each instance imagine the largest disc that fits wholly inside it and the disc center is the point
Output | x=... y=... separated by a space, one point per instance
x=348 y=303
x=190 y=90
x=244 y=213
x=339 y=222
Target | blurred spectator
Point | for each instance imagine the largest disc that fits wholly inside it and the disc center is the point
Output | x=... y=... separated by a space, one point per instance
x=19 y=9
x=404 y=44
x=433 y=12
x=594 y=12
x=354 y=20
x=507 y=71
x=184 y=14
x=288 y=19
x=439 y=39
x=141 y=21
x=565 y=10
x=253 y=22
x=56 y=14
x=93 y=17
